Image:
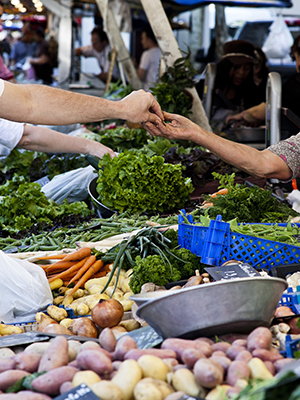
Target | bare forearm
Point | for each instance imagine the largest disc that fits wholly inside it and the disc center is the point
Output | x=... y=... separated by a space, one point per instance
x=259 y=163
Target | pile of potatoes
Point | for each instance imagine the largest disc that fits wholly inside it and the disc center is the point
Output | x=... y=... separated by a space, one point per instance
x=83 y=300
x=118 y=370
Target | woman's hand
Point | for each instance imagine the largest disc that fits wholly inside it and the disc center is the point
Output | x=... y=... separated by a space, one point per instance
x=176 y=127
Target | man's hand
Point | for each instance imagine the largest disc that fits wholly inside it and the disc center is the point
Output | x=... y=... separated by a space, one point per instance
x=99 y=150
x=177 y=127
x=141 y=106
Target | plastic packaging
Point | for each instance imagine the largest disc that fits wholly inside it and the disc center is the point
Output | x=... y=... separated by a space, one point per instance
x=279 y=40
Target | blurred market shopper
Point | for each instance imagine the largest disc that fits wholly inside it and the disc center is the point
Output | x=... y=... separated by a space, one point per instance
x=281 y=160
x=44 y=105
x=41 y=60
x=37 y=138
x=100 y=48
x=148 y=70
x=24 y=47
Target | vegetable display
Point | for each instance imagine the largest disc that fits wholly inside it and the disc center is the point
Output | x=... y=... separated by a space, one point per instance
x=138 y=183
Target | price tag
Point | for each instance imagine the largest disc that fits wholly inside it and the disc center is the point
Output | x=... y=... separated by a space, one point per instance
x=187 y=397
x=145 y=337
x=81 y=392
x=232 y=271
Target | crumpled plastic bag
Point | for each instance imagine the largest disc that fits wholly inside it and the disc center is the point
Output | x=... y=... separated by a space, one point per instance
x=72 y=185
x=24 y=289
x=294 y=199
x=279 y=41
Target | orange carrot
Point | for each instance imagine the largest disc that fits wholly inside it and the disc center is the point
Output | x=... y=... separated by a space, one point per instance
x=89 y=261
x=70 y=270
x=78 y=255
x=60 y=266
x=94 y=268
x=53 y=257
x=220 y=192
x=100 y=274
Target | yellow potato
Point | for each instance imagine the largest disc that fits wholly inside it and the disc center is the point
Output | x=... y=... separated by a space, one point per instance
x=130 y=324
x=76 y=295
x=127 y=295
x=57 y=313
x=56 y=284
x=58 y=300
x=125 y=285
x=127 y=376
x=153 y=367
x=93 y=289
x=107 y=390
x=258 y=369
x=88 y=377
x=218 y=393
x=111 y=289
x=67 y=301
x=9 y=329
x=184 y=380
x=147 y=390
x=83 y=309
x=66 y=322
x=128 y=273
x=127 y=304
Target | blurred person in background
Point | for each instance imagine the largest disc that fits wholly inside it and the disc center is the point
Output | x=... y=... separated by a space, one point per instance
x=41 y=61
x=260 y=73
x=100 y=49
x=24 y=47
x=148 y=70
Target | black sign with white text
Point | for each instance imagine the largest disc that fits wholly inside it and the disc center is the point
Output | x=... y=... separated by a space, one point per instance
x=232 y=271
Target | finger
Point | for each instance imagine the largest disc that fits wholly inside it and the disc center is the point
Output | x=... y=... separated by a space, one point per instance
x=155 y=108
x=152 y=129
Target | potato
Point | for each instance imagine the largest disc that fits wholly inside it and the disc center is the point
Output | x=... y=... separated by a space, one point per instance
x=190 y=356
x=244 y=355
x=130 y=324
x=128 y=273
x=218 y=393
x=239 y=342
x=175 y=396
x=66 y=322
x=279 y=364
x=153 y=367
x=107 y=390
x=233 y=351
x=91 y=299
x=135 y=353
x=56 y=355
x=258 y=370
x=222 y=346
x=7 y=363
x=259 y=338
x=118 y=331
x=183 y=379
x=58 y=300
x=56 y=284
x=94 y=360
x=125 y=285
x=208 y=373
x=127 y=376
x=87 y=377
x=237 y=370
x=9 y=377
x=224 y=361
x=50 y=382
x=124 y=344
x=127 y=304
x=57 y=313
x=179 y=345
x=77 y=294
x=5 y=352
x=38 y=347
x=270 y=367
x=147 y=390
x=57 y=329
x=96 y=281
x=128 y=294
x=267 y=355
x=67 y=301
x=83 y=309
x=93 y=289
x=27 y=361
x=9 y=329
x=73 y=349
x=107 y=339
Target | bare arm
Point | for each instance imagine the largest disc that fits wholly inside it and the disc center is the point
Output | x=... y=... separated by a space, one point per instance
x=38 y=138
x=141 y=74
x=259 y=163
x=44 y=105
x=43 y=59
x=252 y=115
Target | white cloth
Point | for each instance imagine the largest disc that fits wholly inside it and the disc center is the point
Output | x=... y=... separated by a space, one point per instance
x=1 y=86
x=102 y=58
x=150 y=61
x=10 y=135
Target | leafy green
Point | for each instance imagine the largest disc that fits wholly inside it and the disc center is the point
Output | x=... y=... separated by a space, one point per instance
x=170 y=91
x=23 y=204
x=122 y=138
x=247 y=204
x=117 y=90
x=139 y=183
x=24 y=383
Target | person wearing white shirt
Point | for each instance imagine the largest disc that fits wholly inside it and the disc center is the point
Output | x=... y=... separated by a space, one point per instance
x=101 y=50
x=148 y=70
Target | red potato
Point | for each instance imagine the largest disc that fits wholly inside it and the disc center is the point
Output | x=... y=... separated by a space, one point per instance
x=206 y=340
x=219 y=353
x=270 y=366
x=244 y=355
x=294 y=330
x=233 y=391
x=24 y=395
x=124 y=344
x=283 y=311
x=7 y=363
x=224 y=361
x=116 y=365
x=56 y=355
x=231 y=337
x=237 y=370
x=208 y=373
x=73 y=364
x=220 y=346
x=65 y=387
x=135 y=354
x=190 y=356
x=267 y=355
x=9 y=377
x=27 y=361
x=233 y=351
x=171 y=362
x=94 y=360
x=50 y=382
x=27 y=393
x=95 y=347
x=180 y=366
x=107 y=339
x=279 y=364
x=239 y=342
x=57 y=328
x=179 y=345
x=259 y=338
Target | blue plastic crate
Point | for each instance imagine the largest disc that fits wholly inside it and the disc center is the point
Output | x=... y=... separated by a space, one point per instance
x=291 y=299
x=216 y=248
x=291 y=346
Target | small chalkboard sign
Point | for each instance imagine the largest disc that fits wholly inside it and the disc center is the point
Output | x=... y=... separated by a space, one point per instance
x=145 y=337
x=81 y=392
x=187 y=397
x=232 y=271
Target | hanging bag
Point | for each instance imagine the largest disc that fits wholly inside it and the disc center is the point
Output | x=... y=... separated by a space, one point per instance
x=279 y=41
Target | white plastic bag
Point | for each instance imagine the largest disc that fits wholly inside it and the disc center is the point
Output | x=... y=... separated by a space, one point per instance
x=279 y=41
x=72 y=185
x=24 y=289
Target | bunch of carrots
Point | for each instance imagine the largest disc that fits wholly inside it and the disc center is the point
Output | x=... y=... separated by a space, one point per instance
x=75 y=268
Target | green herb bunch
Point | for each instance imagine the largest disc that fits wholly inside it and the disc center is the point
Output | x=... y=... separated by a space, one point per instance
x=122 y=138
x=170 y=91
x=138 y=183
